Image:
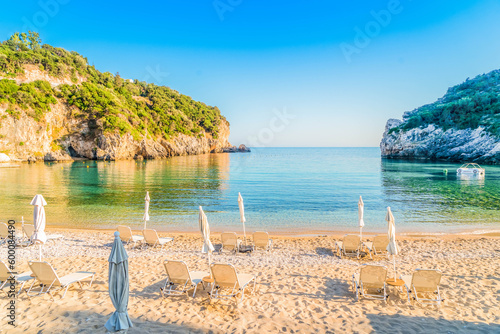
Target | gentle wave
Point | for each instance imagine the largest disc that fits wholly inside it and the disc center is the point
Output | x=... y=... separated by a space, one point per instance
x=284 y=190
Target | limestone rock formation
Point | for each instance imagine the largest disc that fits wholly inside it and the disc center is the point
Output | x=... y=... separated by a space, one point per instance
x=461 y=126
x=434 y=143
x=62 y=137
x=230 y=149
x=243 y=148
x=55 y=106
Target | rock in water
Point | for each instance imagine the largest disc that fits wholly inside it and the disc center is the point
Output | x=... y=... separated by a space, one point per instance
x=230 y=149
x=243 y=148
x=57 y=156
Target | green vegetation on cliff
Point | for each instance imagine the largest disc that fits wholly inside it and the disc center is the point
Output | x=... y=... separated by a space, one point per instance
x=114 y=103
x=474 y=103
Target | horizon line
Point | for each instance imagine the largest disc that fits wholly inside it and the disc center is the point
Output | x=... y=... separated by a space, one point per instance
x=313 y=146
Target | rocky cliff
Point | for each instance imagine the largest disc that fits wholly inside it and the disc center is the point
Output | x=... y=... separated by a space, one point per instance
x=54 y=106
x=64 y=137
x=463 y=125
x=434 y=143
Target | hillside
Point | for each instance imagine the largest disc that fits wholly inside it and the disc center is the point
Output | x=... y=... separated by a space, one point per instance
x=463 y=125
x=54 y=105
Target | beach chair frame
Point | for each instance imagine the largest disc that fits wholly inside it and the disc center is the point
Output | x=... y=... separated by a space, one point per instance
x=6 y=274
x=155 y=240
x=377 y=242
x=348 y=240
x=228 y=290
x=127 y=236
x=227 y=241
x=179 y=286
x=378 y=246
x=56 y=284
x=27 y=228
x=361 y=289
x=262 y=235
x=412 y=291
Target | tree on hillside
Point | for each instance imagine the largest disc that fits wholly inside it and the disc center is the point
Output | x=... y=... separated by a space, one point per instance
x=17 y=40
x=23 y=41
x=119 y=105
x=34 y=40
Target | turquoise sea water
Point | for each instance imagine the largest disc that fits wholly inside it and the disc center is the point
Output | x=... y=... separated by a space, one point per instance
x=284 y=190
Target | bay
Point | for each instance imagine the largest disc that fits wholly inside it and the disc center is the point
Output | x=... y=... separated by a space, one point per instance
x=296 y=190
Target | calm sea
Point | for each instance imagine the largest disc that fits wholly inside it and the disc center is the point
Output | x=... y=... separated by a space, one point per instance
x=284 y=190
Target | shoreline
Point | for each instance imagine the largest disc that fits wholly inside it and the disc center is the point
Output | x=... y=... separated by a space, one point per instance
x=299 y=234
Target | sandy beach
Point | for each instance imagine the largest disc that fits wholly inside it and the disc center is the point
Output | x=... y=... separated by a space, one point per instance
x=302 y=287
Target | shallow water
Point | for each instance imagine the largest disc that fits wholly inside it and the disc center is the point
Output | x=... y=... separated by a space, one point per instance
x=284 y=190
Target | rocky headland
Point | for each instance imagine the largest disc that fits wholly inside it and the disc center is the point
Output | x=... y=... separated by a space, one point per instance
x=464 y=125
x=54 y=106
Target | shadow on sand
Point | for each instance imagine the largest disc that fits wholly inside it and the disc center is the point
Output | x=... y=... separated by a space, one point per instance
x=383 y=323
x=325 y=251
x=87 y=322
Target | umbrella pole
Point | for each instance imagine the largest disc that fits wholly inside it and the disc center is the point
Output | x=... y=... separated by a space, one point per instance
x=209 y=262
x=361 y=233
x=244 y=234
x=144 y=224
x=40 y=252
x=394 y=262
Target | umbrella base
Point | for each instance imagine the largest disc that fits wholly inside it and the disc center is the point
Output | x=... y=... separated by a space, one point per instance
x=363 y=254
x=245 y=249
x=395 y=282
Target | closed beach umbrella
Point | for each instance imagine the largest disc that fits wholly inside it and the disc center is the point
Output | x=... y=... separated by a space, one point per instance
x=392 y=247
x=118 y=286
x=146 y=209
x=205 y=232
x=242 y=215
x=39 y=236
x=361 y=208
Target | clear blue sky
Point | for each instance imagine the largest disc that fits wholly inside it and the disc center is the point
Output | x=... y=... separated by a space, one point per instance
x=253 y=59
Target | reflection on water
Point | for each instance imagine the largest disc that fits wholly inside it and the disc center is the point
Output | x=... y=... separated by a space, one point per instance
x=434 y=193
x=285 y=189
x=471 y=179
x=90 y=193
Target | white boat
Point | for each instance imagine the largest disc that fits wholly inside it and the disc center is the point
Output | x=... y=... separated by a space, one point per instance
x=470 y=168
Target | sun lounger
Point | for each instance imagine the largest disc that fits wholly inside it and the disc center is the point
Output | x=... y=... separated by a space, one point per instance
x=262 y=240
x=230 y=241
x=424 y=283
x=51 y=282
x=349 y=246
x=370 y=282
x=378 y=246
x=151 y=238
x=6 y=273
x=180 y=280
x=29 y=229
x=126 y=235
x=227 y=283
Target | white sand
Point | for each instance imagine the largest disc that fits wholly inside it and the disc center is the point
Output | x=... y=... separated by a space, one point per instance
x=302 y=287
